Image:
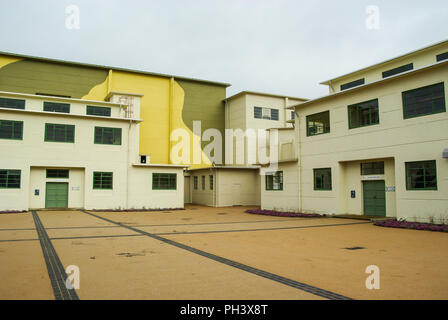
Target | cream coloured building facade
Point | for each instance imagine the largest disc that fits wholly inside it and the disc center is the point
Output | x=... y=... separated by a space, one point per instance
x=72 y=153
x=377 y=147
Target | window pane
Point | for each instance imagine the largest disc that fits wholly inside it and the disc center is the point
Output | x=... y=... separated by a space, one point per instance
x=98 y=111
x=363 y=114
x=318 y=123
x=12 y=103
x=424 y=101
x=322 y=179
x=421 y=175
x=57 y=107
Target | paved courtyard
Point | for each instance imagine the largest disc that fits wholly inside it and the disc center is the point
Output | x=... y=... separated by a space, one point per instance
x=214 y=253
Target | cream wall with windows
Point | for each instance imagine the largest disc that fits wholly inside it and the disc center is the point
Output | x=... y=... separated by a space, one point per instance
x=286 y=199
x=404 y=140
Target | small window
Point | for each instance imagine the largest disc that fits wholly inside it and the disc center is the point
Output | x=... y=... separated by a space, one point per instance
x=318 y=123
x=211 y=182
x=322 y=179
x=11 y=130
x=12 y=103
x=108 y=135
x=57 y=173
x=372 y=168
x=424 y=101
x=421 y=175
x=293 y=115
x=398 y=70
x=98 y=111
x=274 y=114
x=274 y=181
x=442 y=56
x=258 y=113
x=363 y=114
x=203 y=182
x=195 y=183
x=59 y=132
x=164 y=181
x=103 y=180
x=352 y=84
x=57 y=107
x=9 y=179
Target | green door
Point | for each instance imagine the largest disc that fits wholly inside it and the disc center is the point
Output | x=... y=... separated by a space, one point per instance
x=374 y=198
x=56 y=195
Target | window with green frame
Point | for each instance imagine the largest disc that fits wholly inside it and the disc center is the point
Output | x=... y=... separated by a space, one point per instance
x=12 y=103
x=108 y=135
x=195 y=183
x=203 y=182
x=352 y=84
x=11 y=130
x=9 y=179
x=59 y=132
x=164 y=181
x=258 y=113
x=424 y=101
x=103 y=180
x=421 y=175
x=56 y=107
x=98 y=111
x=274 y=181
x=211 y=182
x=57 y=173
x=376 y=167
x=318 y=123
x=363 y=114
x=322 y=179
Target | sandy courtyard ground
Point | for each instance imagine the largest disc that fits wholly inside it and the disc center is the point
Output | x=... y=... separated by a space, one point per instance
x=216 y=253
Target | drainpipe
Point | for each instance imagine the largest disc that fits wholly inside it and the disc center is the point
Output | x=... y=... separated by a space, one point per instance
x=128 y=164
x=170 y=116
x=299 y=156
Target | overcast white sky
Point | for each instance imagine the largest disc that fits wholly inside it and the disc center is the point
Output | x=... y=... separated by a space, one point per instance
x=277 y=46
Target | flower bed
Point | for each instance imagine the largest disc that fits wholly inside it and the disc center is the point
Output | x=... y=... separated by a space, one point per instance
x=13 y=211
x=134 y=210
x=411 y=225
x=285 y=214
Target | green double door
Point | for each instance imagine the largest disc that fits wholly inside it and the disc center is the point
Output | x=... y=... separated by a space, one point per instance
x=56 y=195
x=374 y=198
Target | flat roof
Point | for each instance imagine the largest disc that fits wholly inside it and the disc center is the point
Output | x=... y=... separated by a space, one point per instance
x=385 y=61
x=113 y=68
x=263 y=94
x=399 y=75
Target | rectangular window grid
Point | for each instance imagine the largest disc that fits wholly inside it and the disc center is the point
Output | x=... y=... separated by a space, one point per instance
x=98 y=111
x=11 y=129
x=398 y=70
x=12 y=103
x=352 y=84
x=103 y=180
x=59 y=132
x=9 y=179
x=424 y=101
x=318 y=123
x=372 y=168
x=164 y=181
x=57 y=173
x=274 y=181
x=363 y=114
x=57 y=107
x=421 y=175
x=322 y=179
x=108 y=135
